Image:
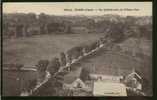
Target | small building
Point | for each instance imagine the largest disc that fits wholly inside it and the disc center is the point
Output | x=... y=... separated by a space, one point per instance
x=106 y=78
x=108 y=81
x=109 y=89
x=134 y=80
x=73 y=80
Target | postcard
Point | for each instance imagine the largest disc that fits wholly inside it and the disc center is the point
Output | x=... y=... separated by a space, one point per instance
x=77 y=49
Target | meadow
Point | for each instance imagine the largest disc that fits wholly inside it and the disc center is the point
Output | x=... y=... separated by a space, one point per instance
x=29 y=50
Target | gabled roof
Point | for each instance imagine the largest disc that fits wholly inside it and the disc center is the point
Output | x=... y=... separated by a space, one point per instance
x=134 y=73
x=72 y=76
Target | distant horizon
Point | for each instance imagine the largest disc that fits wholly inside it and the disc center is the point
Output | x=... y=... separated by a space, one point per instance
x=69 y=8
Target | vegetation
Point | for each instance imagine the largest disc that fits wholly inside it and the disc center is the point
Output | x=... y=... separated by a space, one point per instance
x=54 y=66
x=62 y=28
x=114 y=26
x=29 y=51
x=84 y=74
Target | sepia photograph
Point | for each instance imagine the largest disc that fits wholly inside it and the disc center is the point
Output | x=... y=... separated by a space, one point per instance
x=77 y=49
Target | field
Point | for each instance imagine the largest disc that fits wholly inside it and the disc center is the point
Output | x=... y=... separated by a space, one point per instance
x=110 y=63
x=29 y=51
x=32 y=49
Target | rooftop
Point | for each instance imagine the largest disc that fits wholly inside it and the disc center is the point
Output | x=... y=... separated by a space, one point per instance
x=109 y=89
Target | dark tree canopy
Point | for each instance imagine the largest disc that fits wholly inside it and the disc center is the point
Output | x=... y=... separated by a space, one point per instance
x=42 y=65
x=84 y=74
x=54 y=66
x=117 y=27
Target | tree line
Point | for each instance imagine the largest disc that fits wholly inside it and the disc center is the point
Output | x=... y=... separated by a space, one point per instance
x=25 y=25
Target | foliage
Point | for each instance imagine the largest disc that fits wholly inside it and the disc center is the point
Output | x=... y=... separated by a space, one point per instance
x=84 y=74
x=42 y=65
x=116 y=27
x=54 y=66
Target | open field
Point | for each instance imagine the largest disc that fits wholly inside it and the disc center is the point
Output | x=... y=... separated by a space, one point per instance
x=29 y=50
x=110 y=63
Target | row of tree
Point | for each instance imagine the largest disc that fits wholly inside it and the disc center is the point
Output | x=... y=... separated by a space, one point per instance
x=20 y=24
x=55 y=83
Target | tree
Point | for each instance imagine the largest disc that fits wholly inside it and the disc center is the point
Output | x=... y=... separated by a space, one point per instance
x=62 y=59
x=32 y=84
x=43 y=21
x=116 y=32
x=42 y=65
x=19 y=30
x=31 y=17
x=84 y=74
x=42 y=18
x=53 y=87
x=54 y=66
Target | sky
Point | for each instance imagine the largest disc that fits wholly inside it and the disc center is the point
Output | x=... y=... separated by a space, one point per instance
x=81 y=8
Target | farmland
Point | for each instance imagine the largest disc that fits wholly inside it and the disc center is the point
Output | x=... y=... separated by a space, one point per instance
x=32 y=39
x=30 y=50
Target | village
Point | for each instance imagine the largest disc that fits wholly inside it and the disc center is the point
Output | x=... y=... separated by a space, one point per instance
x=82 y=82
x=48 y=55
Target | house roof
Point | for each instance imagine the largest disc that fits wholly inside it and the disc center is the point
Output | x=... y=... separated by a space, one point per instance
x=109 y=89
x=72 y=76
x=134 y=73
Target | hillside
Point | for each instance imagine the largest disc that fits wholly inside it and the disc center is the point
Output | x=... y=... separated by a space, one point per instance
x=28 y=51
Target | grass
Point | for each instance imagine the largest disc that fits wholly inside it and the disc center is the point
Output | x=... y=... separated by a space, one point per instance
x=30 y=50
x=105 y=62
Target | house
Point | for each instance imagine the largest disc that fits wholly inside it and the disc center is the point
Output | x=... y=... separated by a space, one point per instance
x=134 y=80
x=72 y=80
x=128 y=77
x=109 y=89
x=106 y=78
